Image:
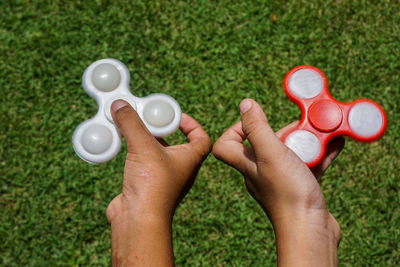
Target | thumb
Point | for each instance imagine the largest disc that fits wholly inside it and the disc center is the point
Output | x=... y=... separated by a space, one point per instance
x=138 y=137
x=266 y=145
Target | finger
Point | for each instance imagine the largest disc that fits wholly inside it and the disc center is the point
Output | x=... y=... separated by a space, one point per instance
x=229 y=148
x=335 y=146
x=135 y=132
x=234 y=133
x=196 y=136
x=265 y=143
x=286 y=129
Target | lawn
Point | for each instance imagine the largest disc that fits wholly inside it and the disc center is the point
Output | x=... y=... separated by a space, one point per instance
x=208 y=55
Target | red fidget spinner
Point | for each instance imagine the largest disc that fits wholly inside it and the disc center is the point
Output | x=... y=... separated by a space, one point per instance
x=323 y=117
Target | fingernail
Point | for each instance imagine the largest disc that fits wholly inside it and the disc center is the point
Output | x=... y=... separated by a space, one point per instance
x=245 y=105
x=117 y=104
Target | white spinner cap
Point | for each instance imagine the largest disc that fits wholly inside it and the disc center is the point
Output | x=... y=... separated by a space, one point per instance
x=305 y=144
x=106 y=77
x=306 y=83
x=365 y=119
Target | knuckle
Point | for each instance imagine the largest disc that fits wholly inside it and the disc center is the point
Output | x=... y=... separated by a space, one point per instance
x=281 y=157
x=217 y=149
x=253 y=127
x=123 y=114
x=204 y=149
x=208 y=144
x=263 y=160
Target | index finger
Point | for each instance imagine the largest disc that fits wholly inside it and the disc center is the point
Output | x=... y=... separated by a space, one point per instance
x=196 y=136
x=230 y=149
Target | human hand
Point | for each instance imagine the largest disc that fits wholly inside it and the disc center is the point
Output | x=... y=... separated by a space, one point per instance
x=284 y=186
x=156 y=178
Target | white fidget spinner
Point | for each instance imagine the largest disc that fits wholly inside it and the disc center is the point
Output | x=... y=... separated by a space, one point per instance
x=98 y=139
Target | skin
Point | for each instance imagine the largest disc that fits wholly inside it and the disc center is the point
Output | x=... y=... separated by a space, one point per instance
x=306 y=232
x=156 y=178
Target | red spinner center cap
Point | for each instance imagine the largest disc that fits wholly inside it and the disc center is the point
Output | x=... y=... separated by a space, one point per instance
x=325 y=115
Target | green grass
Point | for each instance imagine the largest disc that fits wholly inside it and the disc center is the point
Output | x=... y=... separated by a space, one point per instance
x=208 y=55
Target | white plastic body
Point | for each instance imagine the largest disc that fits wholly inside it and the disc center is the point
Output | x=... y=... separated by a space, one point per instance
x=103 y=117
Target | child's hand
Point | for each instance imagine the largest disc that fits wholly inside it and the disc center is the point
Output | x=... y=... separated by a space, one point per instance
x=285 y=187
x=156 y=178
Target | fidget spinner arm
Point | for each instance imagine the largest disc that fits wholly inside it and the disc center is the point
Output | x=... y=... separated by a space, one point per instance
x=98 y=139
x=323 y=117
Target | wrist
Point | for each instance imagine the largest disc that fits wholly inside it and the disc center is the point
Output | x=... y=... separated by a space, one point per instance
x=128 y=209
x=319 y=220
x=308 y=237
x=140 y=236
x=142 y=242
